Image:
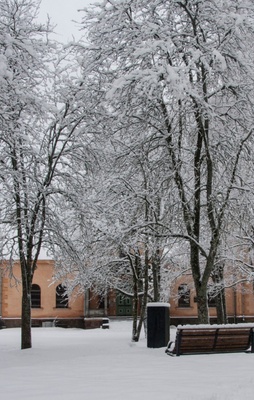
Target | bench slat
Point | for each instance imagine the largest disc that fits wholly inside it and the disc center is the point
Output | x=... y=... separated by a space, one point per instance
x=212 y=340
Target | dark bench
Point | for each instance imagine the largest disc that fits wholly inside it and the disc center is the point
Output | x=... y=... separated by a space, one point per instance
x=200 y=339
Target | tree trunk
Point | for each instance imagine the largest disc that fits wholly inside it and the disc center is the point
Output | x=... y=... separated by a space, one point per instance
x=202 y=303
x=142 y=316
x=200 y=286
x=27 y=277
x=26 y=335
x=221 y=307
x=156 y=276
x=217 y=277
x=135 y=310
x=145 y=294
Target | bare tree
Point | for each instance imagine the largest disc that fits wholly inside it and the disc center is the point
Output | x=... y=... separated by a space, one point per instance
x=38 y=146
x=182 y=72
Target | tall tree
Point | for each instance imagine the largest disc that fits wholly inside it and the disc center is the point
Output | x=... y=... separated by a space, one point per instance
x=183 y=69
x=118 y=233
x=37 y=139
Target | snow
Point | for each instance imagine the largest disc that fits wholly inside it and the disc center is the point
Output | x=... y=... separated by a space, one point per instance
x=158 y=304
x=215 y=326
x=104 y=364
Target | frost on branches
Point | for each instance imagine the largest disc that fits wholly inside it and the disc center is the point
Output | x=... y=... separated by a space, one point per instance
x=177 y=79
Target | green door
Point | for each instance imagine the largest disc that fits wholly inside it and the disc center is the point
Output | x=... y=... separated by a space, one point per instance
x=123 y=305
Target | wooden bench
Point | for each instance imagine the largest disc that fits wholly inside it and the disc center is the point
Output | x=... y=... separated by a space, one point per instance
x=198 y=339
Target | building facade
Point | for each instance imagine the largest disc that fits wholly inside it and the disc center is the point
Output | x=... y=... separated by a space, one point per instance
x=51 y=306
x=239 y=301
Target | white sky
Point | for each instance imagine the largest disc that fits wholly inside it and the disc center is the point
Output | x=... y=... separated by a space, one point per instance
x=62 y=13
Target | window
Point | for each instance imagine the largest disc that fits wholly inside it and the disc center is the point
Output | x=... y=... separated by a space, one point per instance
x=61 y=297
x=36 y=296
x=183 y=295
x=102 y=301
x=211 y=300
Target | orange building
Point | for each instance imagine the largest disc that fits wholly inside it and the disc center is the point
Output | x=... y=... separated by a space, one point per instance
x=51 y=306
x=239 y=302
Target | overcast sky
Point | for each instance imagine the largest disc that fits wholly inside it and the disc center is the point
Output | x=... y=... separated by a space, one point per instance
x=62 y=14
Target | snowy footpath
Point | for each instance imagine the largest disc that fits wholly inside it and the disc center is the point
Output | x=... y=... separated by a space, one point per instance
x=105 y=365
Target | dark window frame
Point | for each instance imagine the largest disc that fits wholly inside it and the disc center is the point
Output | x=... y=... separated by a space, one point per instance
x=35 y=296
x=62 y=300
x=183 y=296
x=211 y=300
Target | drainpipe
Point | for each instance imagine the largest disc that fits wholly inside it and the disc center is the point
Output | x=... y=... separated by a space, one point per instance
x=235 y=304
x=86 y=303
x=243 y=301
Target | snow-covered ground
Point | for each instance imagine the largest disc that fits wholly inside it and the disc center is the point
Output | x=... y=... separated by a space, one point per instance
x=105 y=365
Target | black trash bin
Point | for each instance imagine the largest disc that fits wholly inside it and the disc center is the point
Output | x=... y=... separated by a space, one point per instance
x=157 y=325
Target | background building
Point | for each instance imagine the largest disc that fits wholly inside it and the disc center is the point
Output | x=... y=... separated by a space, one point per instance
x=51 y=305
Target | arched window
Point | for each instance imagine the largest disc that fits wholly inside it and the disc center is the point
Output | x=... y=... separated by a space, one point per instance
x=61 y=297
x=183 y=295
x=36 y=296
